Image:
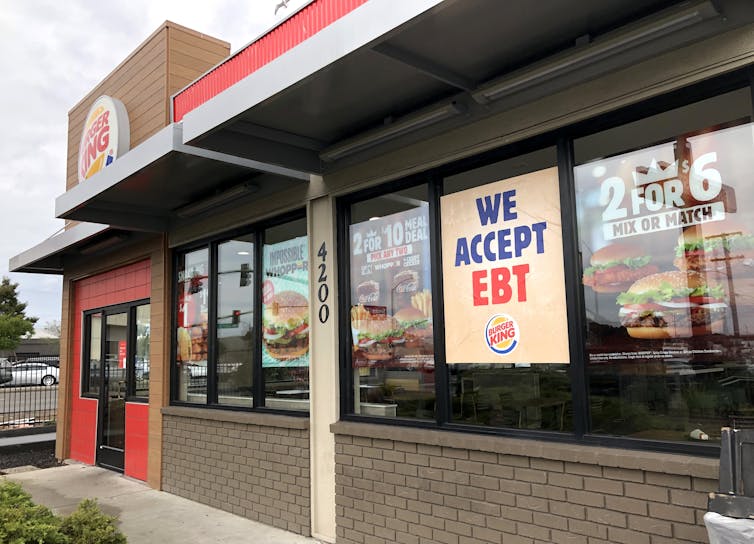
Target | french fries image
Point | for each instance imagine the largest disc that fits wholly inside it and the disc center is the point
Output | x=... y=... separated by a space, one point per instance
x=184 y=345
x=422 y=301
x=359 y=313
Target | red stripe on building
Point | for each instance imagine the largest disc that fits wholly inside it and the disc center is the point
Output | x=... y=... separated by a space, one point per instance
x=291 y=32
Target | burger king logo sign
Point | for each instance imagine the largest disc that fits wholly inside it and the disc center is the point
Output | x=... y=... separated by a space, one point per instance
x=501 y=334
x=105 y=136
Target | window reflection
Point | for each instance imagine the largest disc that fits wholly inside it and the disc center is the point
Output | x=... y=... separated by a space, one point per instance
x=664 y=234
x=517 y=396
x=235 y=319
x=142 y=358
x=92 y=378
x=285 y=316
x=192 y=327
x=392 y=351
x=243 y=349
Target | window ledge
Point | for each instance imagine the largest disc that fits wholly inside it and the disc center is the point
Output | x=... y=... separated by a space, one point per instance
x=667 y=463
x=233 y=416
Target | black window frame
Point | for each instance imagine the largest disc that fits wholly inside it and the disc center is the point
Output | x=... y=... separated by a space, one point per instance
x=128 y=308
x=563 y=139
x=211 y=243
x=86 y=346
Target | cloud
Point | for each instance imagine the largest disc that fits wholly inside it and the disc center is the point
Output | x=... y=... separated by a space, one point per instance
x=54 y=53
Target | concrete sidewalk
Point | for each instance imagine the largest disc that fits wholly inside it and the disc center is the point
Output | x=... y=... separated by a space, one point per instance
x=21 y=439
x=145 y=515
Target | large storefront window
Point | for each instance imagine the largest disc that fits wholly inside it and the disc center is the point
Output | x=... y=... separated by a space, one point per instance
x=500 y=238
x=192 y=333
x=253 y=287
x=525 y=394
x=141 y=361
x=285 y=316
x=392 y=341
x=93 y=355
x=116 y=351
x=660 y=250
x=234 y=322
x=666 y=242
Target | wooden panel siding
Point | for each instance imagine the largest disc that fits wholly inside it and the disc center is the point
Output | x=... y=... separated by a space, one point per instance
x=142 y=70
x=144 y=82
x=159 y=386
x=177 y=70
x=178 y=35
x=190 y=55
x=178 y=82
x=63 y=439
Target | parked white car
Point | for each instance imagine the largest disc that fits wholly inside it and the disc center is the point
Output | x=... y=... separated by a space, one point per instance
x=5 y=374
x=199 y=369
x=141 y=368
x=33 y=374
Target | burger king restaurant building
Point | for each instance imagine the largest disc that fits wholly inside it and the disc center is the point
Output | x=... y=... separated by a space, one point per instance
x=428 y=271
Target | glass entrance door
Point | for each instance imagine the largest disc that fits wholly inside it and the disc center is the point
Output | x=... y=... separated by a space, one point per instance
x=113 y=389
x=115 y=370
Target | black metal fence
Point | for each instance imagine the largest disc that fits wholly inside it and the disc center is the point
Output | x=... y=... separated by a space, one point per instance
x=27 y=406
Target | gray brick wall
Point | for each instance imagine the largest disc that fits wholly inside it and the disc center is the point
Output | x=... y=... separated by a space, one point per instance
x=256 y=470
x=432 y=487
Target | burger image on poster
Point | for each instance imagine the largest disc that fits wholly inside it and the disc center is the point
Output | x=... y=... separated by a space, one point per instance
x=416 y=327
x=374 y=334
x=285 y=323
x=724 y=248
x=723 y=251
x=675 y=304
x=616 y=266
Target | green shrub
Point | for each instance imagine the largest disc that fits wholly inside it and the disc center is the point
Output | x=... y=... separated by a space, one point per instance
x=12 y=495
x=88 y=525
x=23 y=522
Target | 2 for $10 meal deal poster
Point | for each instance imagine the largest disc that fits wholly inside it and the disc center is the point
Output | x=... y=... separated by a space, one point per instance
x=503 y=278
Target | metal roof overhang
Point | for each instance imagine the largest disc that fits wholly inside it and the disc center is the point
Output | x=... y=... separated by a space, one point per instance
x=47 y=257
x=76 y=243
x=389 y=73
x=163 y=179
x=380 y=77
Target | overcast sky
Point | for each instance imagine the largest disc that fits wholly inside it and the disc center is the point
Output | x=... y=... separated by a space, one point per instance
x=53 y=53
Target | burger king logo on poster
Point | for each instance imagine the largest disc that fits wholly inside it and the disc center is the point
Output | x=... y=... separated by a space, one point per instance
x=501 y=334
x=105 y=137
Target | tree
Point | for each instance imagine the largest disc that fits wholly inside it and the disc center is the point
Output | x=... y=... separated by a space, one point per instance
x=9 y=304
x=52 y=328
x=14 y=324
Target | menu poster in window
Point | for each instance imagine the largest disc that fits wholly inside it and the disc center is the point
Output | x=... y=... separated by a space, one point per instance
x=192 y=333
x=391 y=297
x=503 y=278
x=668 y=255
x=285 y=304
